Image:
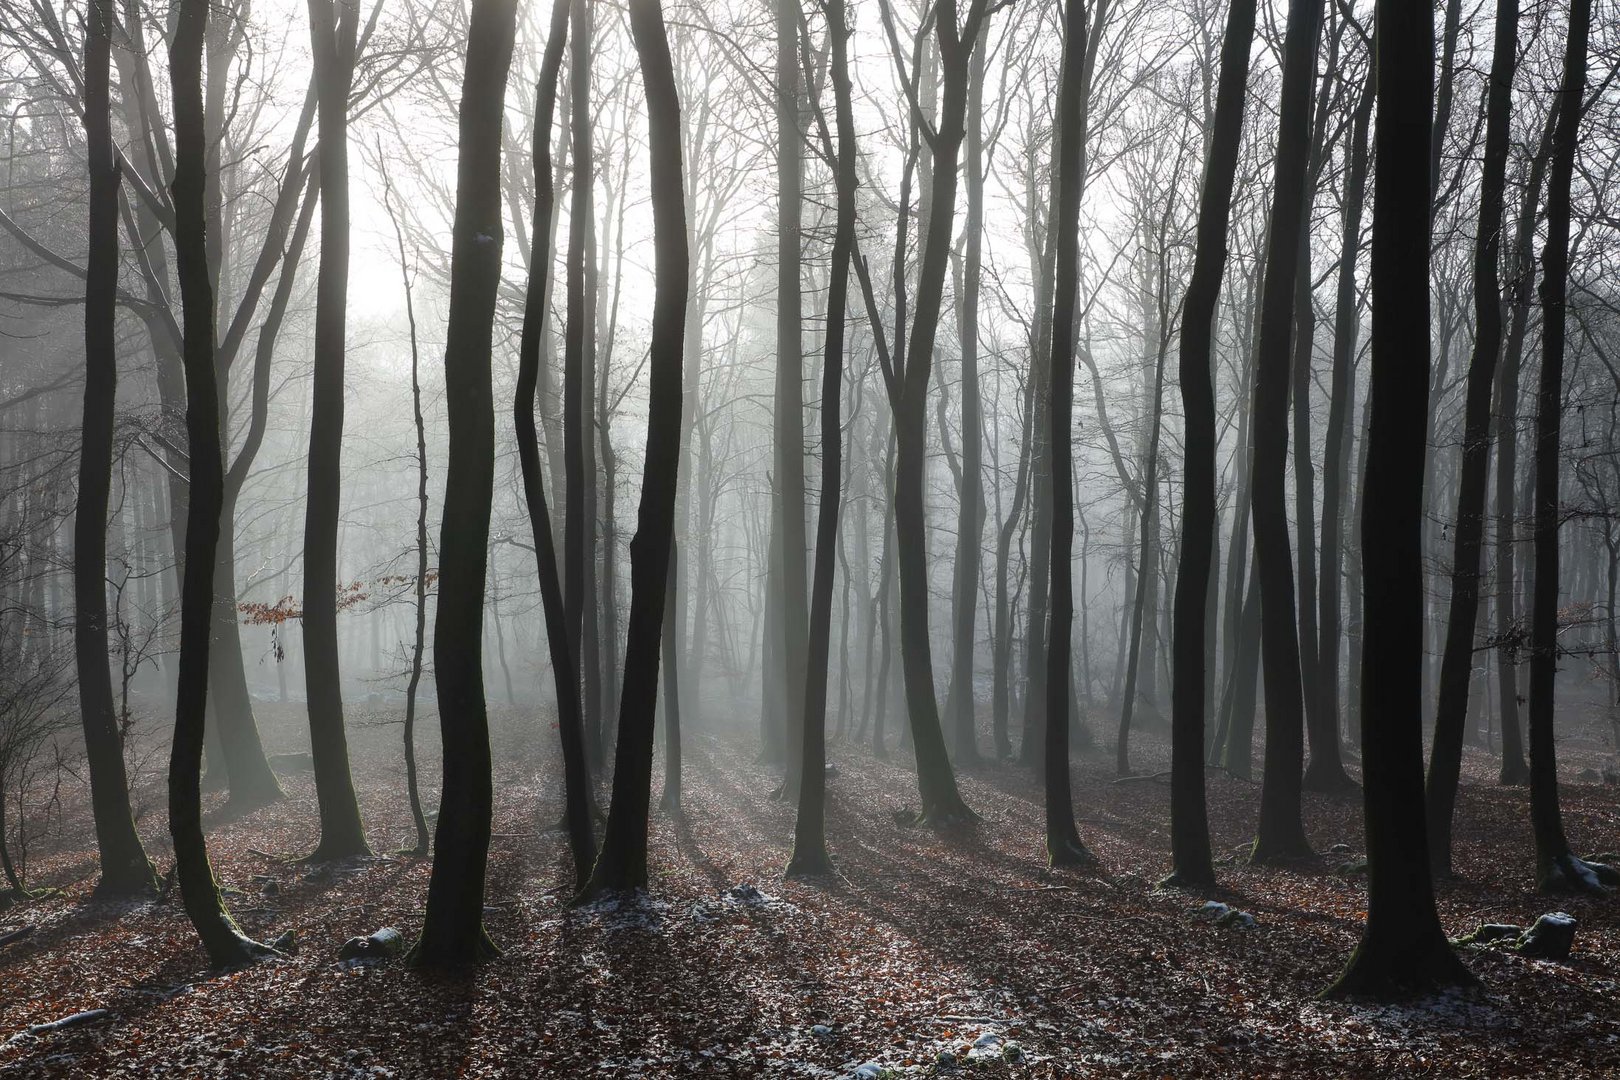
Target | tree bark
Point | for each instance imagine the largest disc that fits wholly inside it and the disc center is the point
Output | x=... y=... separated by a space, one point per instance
x=343 y=835
x=1557 y=868
x=1403 y=951
x=125 y=869
x=453 y=928
x=622 y=863
x=1281 y=833
x=224 y=943
x=1191 y=863
x=1063 y=844
x=1457 y=663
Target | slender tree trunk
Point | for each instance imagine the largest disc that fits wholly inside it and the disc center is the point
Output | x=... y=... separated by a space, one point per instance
x=1146 y=573
x=1341 y=407
x=1281 y=833
x=125 y=869
x=453 y=927
x=788 y=445
x=578 y=811
x=810 y=828
x=1191 y=645
x=224 y=942
x=670 y=803
x=1457 y=663
x=623 y=860
x=419 y=635
x=332 y=41
x=1063 y=844
x=1557 y=868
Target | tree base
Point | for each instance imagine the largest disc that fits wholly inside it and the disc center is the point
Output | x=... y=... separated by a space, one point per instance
x=670 y=805
x=1391 y=972
x=1567 y=874
x=809 y=864
x=1514 y=774
x=1280 y=851
x=1190 y=879
x=240 y=804
x=1068 y=851
x=136 y=883
x=330 y=852
x=235 y=951
x=447 y=956
x=942 y=814
x=1328 y=779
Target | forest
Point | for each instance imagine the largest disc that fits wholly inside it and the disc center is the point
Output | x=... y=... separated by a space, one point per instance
x=809 y=538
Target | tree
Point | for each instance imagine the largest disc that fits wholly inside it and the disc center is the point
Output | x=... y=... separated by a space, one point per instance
x=1403 y=951
x=1189 y=822
x=225 y=944
x=1457 y=663
x=419 y=637
x=788 y=537
x=622 y=863
x=453 y=928
x=578 y=810
x=908 y=393
x=125 y=869
x=1281 y=834
x=332 y=29
x=810 y=828
x=1557 y=868
x=1063 y=844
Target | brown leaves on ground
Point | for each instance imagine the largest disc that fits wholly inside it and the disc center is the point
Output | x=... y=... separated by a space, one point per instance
x=925 y=955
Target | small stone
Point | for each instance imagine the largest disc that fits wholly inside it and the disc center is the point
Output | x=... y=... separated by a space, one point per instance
x=286 y=942
x=384 y=944
x=1012 y=1052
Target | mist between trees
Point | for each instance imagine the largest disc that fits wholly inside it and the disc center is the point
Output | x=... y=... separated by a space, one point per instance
x=981 y=383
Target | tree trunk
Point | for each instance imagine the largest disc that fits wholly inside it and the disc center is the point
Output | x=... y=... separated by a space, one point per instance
x=670 y=803
x=1191 y=864
x=1557 y=868
x=810 y=828
x=1341 y=407
x=788 y=445
x=1281 y=833
x=332 y=42
x=1063 y=844
x=577 y=811
x=225 y=944
x=1403 y=951
x=1457 y=663
x=453 y=927
x=125 y=869
x=623 y=860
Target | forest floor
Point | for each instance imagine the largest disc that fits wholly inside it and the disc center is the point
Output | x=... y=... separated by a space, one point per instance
x=926 y=955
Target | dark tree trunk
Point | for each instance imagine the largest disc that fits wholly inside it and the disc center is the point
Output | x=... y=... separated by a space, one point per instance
x=1146 y=577
x=125 y=869
x=960 y=712
x=332 y=42
x=1515 y=768
x=1457 y=663
x=1191 y=864
x=622 y=863
x=1403 y=951
x=1557 y=868
x=453 y=928
x=419 y=637
x=225 y=944
x=1341 y=407
x=577 y=812
x=1281 y=833
x=670 y=802
x=810 y=828
x=1063 y=844
x=788 y=445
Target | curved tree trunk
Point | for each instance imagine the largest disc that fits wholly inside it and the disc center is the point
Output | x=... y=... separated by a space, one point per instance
x=1281 y=832
x=453 y=928
x=1191 y=863
x=1457 y=663
x=623 y=860
x=125 y=869
x=224 y=942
